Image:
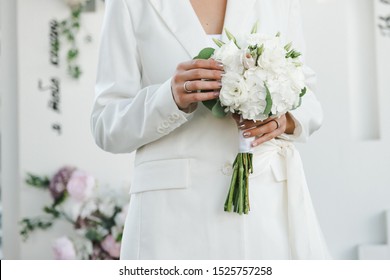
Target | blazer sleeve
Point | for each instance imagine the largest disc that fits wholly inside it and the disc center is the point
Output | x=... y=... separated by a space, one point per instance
x=125 y=115
x=308 y=117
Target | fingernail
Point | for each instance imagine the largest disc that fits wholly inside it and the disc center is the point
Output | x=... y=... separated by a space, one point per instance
x=241 y=125
x=216 y=93
x=246 y=134
x=220 y=84
x=220 y=65
x=254 y=144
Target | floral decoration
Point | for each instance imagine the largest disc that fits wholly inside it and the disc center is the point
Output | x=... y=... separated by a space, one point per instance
x=97 y=215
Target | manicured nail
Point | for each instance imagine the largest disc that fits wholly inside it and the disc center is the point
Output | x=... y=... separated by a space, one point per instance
x=216 y=93
x=254 y=144
x=246 y=134
x=241 y=125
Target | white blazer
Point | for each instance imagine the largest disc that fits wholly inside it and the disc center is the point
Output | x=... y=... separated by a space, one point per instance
x=142 y=43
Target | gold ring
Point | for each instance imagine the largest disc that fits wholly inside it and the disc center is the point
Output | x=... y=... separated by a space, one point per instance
x=277 y=124
x=185 y=87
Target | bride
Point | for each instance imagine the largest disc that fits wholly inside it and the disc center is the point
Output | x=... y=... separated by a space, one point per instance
x=148 y=95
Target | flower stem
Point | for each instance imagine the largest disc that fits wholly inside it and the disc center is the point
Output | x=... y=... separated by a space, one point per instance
x=238 y=195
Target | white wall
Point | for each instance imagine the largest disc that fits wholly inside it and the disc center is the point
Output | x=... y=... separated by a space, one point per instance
x=9 y=130
x=346 y=161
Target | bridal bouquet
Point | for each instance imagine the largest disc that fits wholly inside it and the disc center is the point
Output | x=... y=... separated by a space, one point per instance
x=263 y=78
x=97 y=215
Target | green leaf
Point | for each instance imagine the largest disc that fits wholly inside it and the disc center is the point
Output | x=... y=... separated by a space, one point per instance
x=277 y=34
x=215 y=107
x=36 y=181
x=73 y=54
x=231 y=38
x=254 y=28
x=219 y=43
x=93 y=235
x=209 y=103
x=288 y=47
x=206 y=53
x=260 y=50
x=303 y=92
x=268 y=99
x=218 y=110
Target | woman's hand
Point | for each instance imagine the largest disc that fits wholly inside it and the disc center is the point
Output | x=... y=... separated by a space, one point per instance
x=194 y=76
x=265 y=130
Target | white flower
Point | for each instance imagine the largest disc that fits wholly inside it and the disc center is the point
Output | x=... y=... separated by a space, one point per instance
x=230 y=56
x=248 y=60
x=64 y=249
x=254 y=107
x=107 y=206
x=234 y=91
x=273 y=57
x=120 y=218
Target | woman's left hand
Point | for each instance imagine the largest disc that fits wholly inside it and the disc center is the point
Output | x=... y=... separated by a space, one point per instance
x=266 y=130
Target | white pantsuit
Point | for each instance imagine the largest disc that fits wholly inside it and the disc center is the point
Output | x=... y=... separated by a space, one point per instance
x=183 y=161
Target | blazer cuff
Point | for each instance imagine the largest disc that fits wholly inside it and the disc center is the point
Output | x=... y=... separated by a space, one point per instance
x=297 y=136
x=171 y=116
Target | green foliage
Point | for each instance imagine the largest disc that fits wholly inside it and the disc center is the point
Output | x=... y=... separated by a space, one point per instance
x=68 y=30
x=213 y=105
x=36 y=181
x=206 y=53
x=268 y=99
x=30 y=225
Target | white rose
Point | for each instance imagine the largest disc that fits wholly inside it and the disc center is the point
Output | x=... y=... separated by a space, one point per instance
x=248 y=61
x=230 y=56
x=234 y=91
x=273 y=57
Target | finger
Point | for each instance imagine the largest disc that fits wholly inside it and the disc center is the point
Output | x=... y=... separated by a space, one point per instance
x=266 y=137
x=202 y=85
x=268 y=127
x=260 y=130
x=247 y=124
x=199 y=74
x=200 y=63
x=199 y=96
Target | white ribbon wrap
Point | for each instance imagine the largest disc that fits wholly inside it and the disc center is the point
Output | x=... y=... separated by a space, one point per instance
x=245 y=144
x=306 y=238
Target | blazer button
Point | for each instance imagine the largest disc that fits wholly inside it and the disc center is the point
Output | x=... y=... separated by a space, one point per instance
x=171 y=119
x=227 y=169
x=175 y=116
x=165 y=124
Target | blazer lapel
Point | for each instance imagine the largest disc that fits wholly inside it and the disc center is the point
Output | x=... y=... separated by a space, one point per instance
x=181 y=19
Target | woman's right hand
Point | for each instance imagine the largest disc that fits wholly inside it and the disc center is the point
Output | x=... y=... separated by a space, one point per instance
x=196 y=80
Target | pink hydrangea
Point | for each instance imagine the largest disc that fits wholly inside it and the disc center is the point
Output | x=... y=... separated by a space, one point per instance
x=64 y=249
x=58 y=184
x=80 y=185
x=111 y=246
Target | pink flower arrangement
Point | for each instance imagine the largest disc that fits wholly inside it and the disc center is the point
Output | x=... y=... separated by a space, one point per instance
x=63 y=249
x=97 y=215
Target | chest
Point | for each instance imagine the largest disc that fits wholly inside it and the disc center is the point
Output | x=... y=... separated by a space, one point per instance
x=211 y=14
